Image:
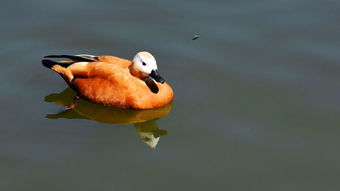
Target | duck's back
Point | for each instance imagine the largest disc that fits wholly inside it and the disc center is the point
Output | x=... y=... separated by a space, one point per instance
x=115 y=60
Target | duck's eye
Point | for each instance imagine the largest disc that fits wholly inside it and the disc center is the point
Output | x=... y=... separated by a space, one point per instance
x=143 y=63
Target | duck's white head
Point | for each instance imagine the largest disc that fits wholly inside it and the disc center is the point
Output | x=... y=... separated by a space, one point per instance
x=144 y=65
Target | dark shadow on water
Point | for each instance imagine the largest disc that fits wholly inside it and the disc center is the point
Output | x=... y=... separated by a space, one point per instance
x=144 y=120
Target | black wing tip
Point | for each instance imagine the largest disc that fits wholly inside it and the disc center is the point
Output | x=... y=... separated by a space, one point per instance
x=54 y=56
x=48 y=63
x=71 y=57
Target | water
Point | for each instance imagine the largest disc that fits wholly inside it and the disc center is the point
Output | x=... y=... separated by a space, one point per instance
x=256 y=96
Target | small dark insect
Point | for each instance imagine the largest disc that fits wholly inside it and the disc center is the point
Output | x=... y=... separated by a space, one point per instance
x=196 y=36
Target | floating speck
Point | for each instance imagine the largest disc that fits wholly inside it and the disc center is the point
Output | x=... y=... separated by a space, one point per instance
x=196 y=36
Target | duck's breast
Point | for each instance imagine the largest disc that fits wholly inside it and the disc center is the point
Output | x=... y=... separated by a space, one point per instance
x=143 y=98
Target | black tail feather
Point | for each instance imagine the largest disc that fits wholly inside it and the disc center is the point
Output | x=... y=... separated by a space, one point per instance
x=71 y=57
x=48 y=63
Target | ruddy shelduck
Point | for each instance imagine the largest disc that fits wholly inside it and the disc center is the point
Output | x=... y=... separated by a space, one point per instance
x=114 y=81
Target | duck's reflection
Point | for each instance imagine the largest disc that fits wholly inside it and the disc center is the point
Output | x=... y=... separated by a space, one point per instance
x=143 y=120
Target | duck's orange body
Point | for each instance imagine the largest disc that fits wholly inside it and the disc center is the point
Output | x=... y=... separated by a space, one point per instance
x=108 y=80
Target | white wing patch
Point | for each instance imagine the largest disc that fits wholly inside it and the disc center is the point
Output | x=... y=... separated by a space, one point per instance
x=87 y=56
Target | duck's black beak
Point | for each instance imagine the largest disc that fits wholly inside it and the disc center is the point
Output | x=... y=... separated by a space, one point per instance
x=155 y=75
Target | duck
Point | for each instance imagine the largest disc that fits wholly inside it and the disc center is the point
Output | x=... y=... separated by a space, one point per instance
x=114 y=81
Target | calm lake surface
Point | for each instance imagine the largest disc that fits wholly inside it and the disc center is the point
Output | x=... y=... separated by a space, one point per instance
x=256 y=97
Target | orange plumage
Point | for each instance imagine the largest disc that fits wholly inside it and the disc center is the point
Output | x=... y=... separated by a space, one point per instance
x=114 y=81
